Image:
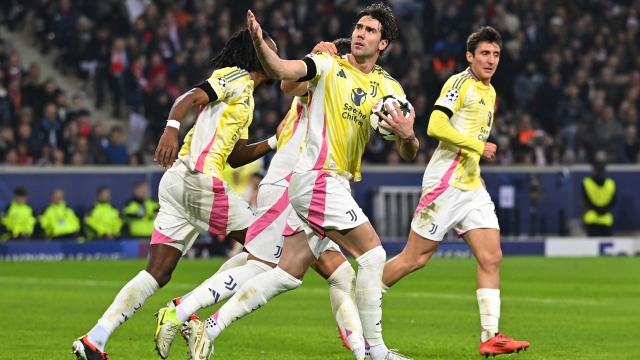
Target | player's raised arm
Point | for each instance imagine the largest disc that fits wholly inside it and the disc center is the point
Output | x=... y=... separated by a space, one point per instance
x=274 y=66
x=167 y=148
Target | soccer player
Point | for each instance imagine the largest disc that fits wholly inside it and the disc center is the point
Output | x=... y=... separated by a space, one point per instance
x=264 y=242
x=193 y=197
x=452 y=192
x=342 y=91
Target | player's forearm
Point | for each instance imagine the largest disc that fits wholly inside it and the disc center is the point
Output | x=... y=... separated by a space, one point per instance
x=278 y=68
x=408 y=148
x=440 y=129
x=246 y=154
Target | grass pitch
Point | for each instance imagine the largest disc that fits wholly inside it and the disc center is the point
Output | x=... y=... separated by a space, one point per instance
x=585 y=308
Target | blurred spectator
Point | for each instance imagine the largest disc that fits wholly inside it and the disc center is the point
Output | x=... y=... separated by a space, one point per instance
x=598 y=198
x=116 y=151
x=103 y=221
x=50 y=127
x=526 y=86
x=629 y=149
x=18 y=220
x=140 y=213
x=608 y=133
x=58 y=221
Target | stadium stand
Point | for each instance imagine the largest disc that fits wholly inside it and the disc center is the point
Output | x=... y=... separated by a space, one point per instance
x=567 y=83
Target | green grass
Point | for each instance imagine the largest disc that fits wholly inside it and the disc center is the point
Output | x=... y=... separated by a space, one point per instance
x=567 y=309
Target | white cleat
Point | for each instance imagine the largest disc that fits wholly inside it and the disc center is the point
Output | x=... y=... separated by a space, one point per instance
x=200 y=346
x=393 y=355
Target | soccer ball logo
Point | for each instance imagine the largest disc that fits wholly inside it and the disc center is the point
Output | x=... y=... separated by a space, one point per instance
x=452 y=95
x=222 y=83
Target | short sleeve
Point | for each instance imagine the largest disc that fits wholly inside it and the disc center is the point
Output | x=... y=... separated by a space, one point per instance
x=221 y=78
x=450 y=96
x=321 y=65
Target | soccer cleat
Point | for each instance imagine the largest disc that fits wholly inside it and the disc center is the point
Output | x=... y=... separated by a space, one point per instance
x=501 y=344
x=393 y=355
x=84 y=350
x=343 y=338
x=168 y=327
x=200 y=346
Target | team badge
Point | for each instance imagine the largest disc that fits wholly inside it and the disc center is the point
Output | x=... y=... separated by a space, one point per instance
x=452 y=95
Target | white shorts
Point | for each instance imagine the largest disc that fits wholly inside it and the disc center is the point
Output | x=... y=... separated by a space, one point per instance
x=322 y=201
x=443 y=207
x=265 y=236
x=192 y=202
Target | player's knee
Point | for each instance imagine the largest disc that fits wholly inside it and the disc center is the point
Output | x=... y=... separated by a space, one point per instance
x=374 y=257
x=491 y=261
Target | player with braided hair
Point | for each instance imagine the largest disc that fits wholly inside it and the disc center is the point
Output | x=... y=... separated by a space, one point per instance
x=193 y=197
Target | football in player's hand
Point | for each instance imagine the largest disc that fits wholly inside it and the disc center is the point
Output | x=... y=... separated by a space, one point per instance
x=379 y=107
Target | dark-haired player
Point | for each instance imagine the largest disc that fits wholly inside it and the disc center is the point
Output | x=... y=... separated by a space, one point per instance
x=452 y=192
x=264 y=242
x=342 y=91
x=193 y=197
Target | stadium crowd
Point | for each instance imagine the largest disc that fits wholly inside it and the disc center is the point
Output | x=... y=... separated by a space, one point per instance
x=567 y=83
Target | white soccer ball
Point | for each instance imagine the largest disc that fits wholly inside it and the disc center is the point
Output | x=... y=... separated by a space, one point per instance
x=379 y=107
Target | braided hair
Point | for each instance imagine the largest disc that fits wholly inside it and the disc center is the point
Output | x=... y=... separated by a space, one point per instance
x=239 y=51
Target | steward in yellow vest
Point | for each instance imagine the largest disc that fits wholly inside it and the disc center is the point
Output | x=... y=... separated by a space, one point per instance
x=599 y=195
x=104 y=220
x=140 y=212
x=18 y=220
x=59 y=221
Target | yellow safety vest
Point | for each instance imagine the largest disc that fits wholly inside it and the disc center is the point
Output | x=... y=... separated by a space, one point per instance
x=600 y=196
x=19 y=220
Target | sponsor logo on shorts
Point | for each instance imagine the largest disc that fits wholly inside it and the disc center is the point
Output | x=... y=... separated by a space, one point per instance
x=433 y=229
x=278 y=252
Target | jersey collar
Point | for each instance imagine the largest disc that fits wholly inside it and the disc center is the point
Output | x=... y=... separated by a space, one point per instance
x=473 y=75
x=346 y=57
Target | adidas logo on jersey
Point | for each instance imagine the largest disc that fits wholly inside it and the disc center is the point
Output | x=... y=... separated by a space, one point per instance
x=342 y=74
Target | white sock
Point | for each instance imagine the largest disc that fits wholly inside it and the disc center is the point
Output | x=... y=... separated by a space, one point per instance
x=127 y=302
x=343 y=303
x=238 y=260
x=219 y=287
x=369 y=293
x=254 y=294
x=489 y=303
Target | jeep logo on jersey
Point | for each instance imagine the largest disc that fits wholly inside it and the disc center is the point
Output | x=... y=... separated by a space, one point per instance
x=357 y=96
x=489 y=118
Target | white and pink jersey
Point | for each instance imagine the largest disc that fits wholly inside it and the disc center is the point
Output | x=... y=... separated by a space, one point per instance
x=289 y=143
x=220 y=123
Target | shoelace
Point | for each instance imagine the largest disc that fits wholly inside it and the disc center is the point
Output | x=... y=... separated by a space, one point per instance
x=394 y=355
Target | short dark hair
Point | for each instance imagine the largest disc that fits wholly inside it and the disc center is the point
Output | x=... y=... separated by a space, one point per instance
x=20 y=191
x=388 y=26
x=485 y=34
x=239 y=51
x=101 y=189
x=343 y=45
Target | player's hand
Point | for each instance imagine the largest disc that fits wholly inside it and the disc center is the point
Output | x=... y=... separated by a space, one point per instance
x=489 y=151
x=254 y=29
x=167 y=148
x=325 y=47
x=396 y=122
x=281 y=125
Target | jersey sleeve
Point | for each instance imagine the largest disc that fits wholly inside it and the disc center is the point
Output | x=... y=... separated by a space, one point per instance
x=220 y=80
x=317 y=66
x=450 y=98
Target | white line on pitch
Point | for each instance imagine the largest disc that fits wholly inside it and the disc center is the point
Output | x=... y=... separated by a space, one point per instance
x=105 y=283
